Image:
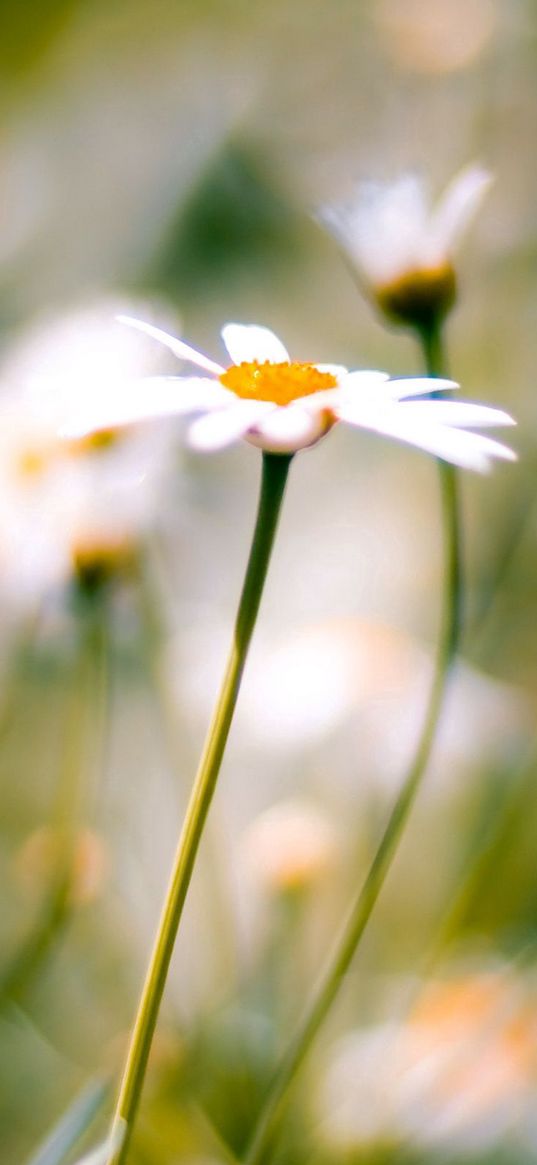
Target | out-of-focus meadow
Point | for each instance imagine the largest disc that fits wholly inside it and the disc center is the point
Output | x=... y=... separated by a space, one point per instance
x=167 y=159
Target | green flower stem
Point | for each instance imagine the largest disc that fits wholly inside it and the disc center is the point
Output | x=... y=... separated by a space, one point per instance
x=216 y=890
x=84 y=731
x=333 y=974
x=431 y=340
x=273 y=482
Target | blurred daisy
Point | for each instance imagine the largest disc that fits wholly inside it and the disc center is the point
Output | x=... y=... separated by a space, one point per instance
x=75 y=509
x=68 y=511
x=290 y=846
x=458 y=1073
x=401 y=247
x=467 y=1057
x=282 y=405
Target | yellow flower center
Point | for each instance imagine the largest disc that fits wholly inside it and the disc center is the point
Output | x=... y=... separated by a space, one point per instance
x=98 y=560
x=419 y=298
x=281 y=384
x=94 y=442
x=33 y=461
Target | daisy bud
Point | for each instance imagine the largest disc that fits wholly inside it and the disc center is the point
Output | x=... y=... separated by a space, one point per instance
x=402 y=249
x=99 y=561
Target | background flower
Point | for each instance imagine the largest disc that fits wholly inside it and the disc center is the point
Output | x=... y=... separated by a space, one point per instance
x=61 y=503
x=401 y=247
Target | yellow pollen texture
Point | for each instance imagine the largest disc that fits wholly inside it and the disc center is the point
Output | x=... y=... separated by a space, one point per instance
x=281 y=384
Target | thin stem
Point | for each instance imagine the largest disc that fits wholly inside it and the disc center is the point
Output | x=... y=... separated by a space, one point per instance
x=337 y=965
x=493 y=837
x=432 y=346
x=435 y=360
x=84 y=731
x=273 y=481
x=151 y=588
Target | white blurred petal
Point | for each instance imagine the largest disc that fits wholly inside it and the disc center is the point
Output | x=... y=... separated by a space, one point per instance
x=303 y=686
x=382 y=227
x=467 y=450
x=358 y=1090
x=465 y=414
x=248 y=342
x=458 y=205
x=181 y=350
x=146 y=400
x=389 y=230
x=221 y=428
x=408 y=386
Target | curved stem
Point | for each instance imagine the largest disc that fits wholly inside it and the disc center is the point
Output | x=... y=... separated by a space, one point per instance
x=333 y=974
x=152 y=585
x=273 y=481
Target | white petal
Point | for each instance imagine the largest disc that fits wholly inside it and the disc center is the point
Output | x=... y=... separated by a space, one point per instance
x=458 y=205
x=178 y=347
x=464 y=414
x=288 y=429
x=248 y=342
x=408 y=386
x=147 y=399
x=315 y=402
x=337 y=370
x=365 y=385
x=221 y=428
x=382 y=227
x=368 y=386
x=468 y=450
x=364 y=377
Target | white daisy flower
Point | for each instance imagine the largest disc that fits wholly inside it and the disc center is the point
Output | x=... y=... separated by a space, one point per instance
x=401 y=247
x=457 y=1073
x=282 y=405
x=80 y=507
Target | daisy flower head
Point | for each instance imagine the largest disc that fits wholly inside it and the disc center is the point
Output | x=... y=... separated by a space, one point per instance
x=281 y=405
x=74 y=509
x=402 y=247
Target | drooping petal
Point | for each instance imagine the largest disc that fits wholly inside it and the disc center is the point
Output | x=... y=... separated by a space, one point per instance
x=463 y=414
x=468 y=450
x=145 y=400
x=178 y=347
x=405 y=387
x=286 y=430
x=458 y=205
x=249 y=342
x=221 y=428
